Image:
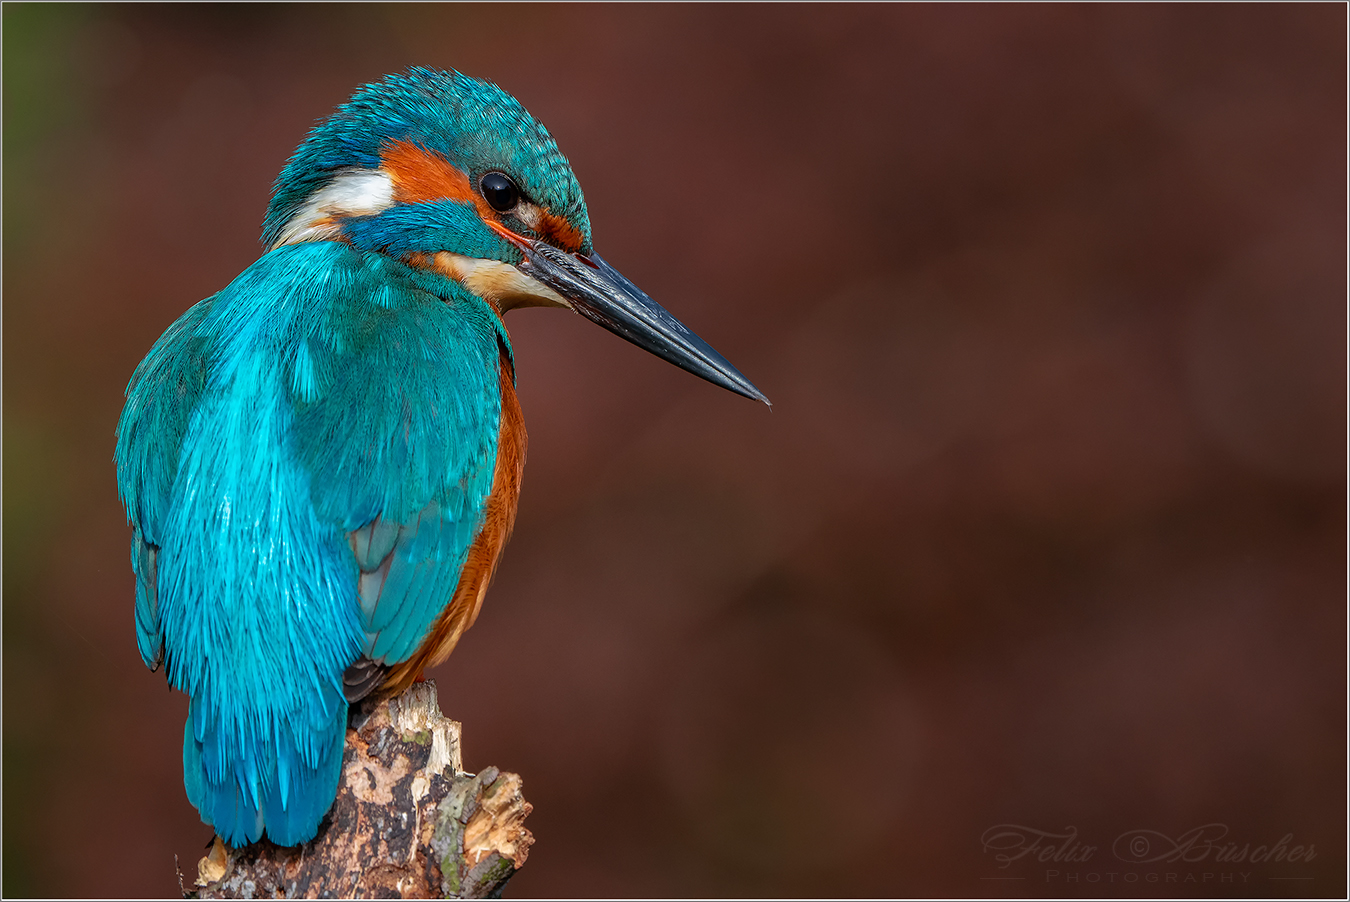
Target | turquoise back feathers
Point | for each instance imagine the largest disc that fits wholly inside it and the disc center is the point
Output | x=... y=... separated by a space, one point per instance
x=323 y=390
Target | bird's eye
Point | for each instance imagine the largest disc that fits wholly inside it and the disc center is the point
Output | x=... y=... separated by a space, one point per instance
x=500 y=192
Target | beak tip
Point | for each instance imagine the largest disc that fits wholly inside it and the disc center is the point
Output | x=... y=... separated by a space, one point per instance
x=728 y=377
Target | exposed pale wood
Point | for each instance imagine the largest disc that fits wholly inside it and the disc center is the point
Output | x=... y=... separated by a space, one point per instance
x=407 y=821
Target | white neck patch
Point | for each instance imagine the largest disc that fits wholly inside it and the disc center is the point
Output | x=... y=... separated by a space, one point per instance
x=352 y=192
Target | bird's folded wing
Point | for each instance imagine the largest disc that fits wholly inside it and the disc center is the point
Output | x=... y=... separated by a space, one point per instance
x=398 y=408
x=161 y=396
x=394 y=405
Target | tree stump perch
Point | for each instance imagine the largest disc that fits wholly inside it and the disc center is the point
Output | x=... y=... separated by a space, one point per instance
x=407 y=821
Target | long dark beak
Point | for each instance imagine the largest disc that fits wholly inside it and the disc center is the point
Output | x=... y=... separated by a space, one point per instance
x=600 y=293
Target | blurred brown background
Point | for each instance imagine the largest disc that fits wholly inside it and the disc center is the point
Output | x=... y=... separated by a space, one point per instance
x=1046 y=526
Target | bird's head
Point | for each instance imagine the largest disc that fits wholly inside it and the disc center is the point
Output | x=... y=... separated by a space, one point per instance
x=451 y=174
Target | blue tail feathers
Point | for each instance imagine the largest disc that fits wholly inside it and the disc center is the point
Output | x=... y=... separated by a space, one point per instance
x=247 y=779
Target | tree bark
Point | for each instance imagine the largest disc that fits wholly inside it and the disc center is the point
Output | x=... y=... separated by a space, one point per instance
x=407 y=822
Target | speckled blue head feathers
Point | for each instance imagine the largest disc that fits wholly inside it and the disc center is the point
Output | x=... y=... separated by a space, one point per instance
x=474 y=125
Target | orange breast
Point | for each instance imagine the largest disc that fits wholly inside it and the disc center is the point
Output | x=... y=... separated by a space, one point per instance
x=499 y=518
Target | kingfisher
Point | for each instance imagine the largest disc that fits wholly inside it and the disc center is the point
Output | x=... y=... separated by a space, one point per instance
x=321 y=463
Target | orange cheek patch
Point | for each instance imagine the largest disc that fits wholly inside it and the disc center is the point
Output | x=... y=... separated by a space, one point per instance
x=558 y=231
x=420 y=175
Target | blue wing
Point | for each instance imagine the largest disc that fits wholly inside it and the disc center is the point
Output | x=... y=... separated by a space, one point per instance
x=308 y=499
x=161 y=397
